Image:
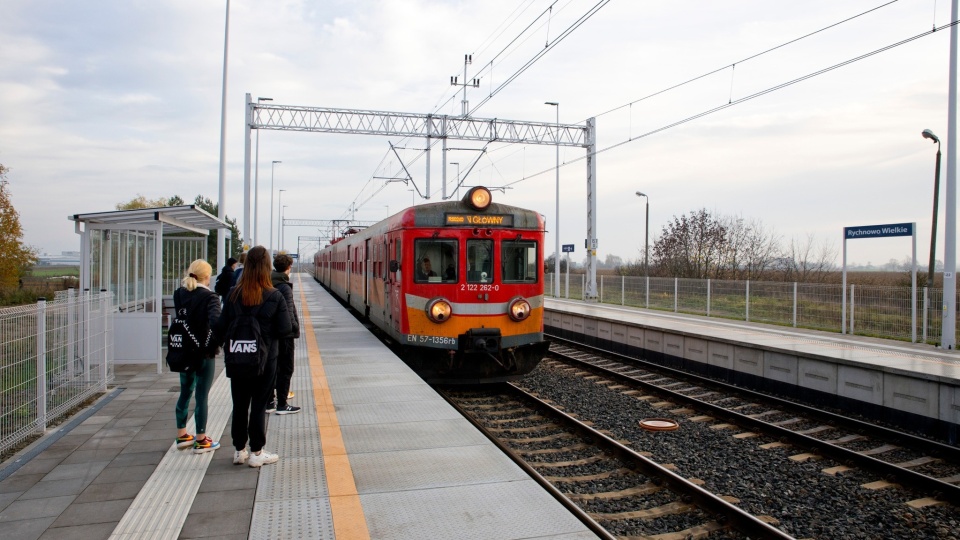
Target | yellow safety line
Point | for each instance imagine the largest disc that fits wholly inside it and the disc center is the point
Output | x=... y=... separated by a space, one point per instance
x=349 y=521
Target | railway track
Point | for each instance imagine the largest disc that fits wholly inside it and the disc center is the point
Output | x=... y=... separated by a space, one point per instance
x=616 y=491
x=894 y=458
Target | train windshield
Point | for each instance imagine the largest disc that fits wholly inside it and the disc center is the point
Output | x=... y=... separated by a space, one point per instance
x=479 y=261
x=519 y=260
x=436 y=260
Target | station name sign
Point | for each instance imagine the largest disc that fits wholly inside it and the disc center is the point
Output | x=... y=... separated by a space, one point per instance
x=878 y=231
x=486 y=220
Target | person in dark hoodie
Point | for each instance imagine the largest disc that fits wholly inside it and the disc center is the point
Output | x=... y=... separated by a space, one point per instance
x=281 y=281
x=251 y=391
x=200 y=302
x=225 y=280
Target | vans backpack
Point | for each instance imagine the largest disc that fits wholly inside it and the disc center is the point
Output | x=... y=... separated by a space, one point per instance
x=187 y=340
x=245 y=353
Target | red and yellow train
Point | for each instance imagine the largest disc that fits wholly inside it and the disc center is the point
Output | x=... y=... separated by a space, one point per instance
x=456 y=286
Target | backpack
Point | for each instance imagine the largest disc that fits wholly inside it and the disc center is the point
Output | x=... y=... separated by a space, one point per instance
x=246 y=351
x=222 y=287
x=187 y=340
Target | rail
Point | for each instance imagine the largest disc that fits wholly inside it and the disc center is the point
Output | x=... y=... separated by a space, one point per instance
x=53 y=356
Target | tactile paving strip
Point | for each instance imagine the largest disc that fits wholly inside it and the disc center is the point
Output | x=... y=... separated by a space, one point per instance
x=292 y=520
x=292 y=478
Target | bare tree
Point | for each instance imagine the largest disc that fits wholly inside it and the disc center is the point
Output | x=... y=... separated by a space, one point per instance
x=690 y=246
x=750 y=251
x=810 y=261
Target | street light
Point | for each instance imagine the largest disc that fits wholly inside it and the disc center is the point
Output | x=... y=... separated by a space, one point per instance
x=646 y=241
x=556 y=266
x=256 y=180
x=927 y=134
x=281 y=227
x=279 y=217
x=458 y=177
x=272 y=165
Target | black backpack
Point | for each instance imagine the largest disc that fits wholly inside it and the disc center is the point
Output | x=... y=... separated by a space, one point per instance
x=245 y=351
x=222 y=287
x=188 y=340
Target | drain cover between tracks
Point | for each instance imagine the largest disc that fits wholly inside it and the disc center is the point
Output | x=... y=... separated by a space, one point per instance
x=659 y=424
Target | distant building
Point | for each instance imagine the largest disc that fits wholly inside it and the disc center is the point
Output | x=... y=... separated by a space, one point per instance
x=66 y=258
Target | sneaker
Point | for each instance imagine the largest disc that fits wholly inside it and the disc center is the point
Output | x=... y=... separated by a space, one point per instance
x=263 y=458
x=185 y=441
x=288 y=409
x=272 y=406
x=205 y=445
x=240 y=456
x=290 y=395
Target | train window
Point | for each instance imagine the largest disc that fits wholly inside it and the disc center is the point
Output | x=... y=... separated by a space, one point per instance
x=519 y=260
x=479 y=261
x=436 y=260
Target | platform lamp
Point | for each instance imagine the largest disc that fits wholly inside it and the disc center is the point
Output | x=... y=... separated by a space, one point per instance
x=646 y=240
x=272 y=166
x=556 y=266
x=927 y=134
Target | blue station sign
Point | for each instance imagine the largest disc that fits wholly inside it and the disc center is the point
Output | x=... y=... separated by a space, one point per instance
x=878 y=231
x=567 y=248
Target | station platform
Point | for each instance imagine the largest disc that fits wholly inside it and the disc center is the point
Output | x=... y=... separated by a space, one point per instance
x=374 y=453
x=912 y=385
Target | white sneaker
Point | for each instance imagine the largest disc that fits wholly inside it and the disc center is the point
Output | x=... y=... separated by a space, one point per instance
x=263 y=458
x=240 y=456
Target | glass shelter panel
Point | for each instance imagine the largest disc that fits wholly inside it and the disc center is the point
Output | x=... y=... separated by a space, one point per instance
x=519 y=261
x=479 y=261
x=436 y=261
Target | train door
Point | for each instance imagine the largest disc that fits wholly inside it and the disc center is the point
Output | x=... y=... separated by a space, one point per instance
x=367 y=273
x=394 y=283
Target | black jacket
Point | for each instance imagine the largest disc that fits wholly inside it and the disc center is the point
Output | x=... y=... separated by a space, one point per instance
x=198 y=302
x=272 y=316
x=281 y=281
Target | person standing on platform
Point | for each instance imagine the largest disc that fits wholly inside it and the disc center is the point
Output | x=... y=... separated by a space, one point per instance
x=258 y=311
x=200 y=303
x=238 y=269
x=225 y=279
x=280 y=276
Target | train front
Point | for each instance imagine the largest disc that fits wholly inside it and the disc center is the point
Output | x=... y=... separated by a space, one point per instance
x=474 y=290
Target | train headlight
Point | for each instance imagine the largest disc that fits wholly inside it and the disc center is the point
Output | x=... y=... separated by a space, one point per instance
x=479 y=198
x=519 y=309
x=439 y=310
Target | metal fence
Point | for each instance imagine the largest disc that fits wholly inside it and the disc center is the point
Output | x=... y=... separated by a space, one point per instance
x=70 y=342
x=885 y=312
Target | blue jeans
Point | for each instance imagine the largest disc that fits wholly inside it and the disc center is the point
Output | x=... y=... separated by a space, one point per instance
x=201 y=380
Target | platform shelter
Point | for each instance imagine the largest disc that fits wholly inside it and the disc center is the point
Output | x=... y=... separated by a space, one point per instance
x=140 y=255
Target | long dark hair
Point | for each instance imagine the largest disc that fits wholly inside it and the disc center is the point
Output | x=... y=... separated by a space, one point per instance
x=254 y=279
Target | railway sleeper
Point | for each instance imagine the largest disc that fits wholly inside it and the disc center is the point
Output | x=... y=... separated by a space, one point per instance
x=668 y=509
x=548 y=451
x=645 y=489
x=589 y=477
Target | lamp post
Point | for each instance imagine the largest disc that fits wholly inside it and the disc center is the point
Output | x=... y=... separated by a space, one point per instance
x=256 y=180
x=927 y=134
x=556 y=256
x=222 y=200
x=272 y=166
x=279 y=216
x=646 y=240
x=280 y=248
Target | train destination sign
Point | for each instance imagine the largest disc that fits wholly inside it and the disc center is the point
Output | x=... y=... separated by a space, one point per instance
x=485 y=220
x=878 y=231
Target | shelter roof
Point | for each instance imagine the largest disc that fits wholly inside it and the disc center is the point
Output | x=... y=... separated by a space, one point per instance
x=175 y=219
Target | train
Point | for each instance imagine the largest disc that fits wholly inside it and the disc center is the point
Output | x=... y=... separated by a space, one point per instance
x=455 y=287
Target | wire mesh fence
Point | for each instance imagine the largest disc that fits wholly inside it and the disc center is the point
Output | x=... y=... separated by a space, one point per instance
x=878 y=311
x=53 y=356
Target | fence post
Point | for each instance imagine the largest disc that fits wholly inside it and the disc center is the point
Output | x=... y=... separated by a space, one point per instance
x=85 y=349
x=747 y=314
x=41 y=365
x=103 y=302
x=676 y=294
x=648 y=293
x=708 y=297
x=926 y=298
x=853 y=289
x=913 y=302
x=600 y=300
x=71 y=331
x=794 y=304
x=583 y=290
x=623 y=290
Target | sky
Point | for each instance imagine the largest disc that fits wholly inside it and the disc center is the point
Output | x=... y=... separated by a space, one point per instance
x=103 y=101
